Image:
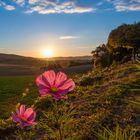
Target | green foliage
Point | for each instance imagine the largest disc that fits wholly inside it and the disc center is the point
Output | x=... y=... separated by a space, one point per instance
x=126 y=36
x=122 y=45
x=58 y=121
x=118 y=134
x=124 y=40
x=102 y=61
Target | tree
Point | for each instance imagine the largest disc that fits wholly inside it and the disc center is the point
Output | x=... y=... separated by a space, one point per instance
x=122 y=45
x=125 y=40
x=100 y=56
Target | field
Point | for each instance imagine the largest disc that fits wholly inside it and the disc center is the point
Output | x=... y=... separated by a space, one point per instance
x=11 y=89
x=104 y=102
x=14 y=70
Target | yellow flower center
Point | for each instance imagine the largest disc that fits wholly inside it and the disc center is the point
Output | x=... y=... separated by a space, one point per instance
x=54 y=89
x=24 y=119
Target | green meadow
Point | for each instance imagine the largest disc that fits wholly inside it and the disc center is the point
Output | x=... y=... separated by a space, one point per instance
x=11 y=92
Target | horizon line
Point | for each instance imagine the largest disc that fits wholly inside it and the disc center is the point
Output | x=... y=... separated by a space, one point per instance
x=45 y=57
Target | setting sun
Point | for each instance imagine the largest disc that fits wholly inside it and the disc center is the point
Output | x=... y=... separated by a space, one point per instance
x=48 y=52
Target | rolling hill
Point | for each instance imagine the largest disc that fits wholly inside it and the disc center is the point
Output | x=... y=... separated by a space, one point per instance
x=11 y=64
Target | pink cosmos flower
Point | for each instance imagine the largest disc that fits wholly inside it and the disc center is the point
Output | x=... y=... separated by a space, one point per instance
x=57 y=85
x=25 y=117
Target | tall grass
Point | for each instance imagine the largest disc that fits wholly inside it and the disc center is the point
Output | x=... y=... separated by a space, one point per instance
x=118 y=134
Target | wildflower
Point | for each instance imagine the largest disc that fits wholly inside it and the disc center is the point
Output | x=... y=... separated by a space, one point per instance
x=25 y=117
x=57 y=85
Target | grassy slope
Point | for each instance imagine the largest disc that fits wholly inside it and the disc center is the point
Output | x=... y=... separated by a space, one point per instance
x=101 y=99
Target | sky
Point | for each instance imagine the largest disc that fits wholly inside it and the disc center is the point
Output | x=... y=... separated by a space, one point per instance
x=40 y=28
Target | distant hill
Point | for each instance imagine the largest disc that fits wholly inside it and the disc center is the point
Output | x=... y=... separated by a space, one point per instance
x=71 y=58
x=19 y=65
x=22 y=60
x=16 y=59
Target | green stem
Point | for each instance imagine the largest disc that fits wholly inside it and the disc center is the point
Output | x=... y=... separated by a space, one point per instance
x=57 y=120
x=60 y=133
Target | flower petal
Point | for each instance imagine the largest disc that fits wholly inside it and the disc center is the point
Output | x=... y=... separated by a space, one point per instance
x=40 y=82
x=44 y=92
x=62 y=92
x=21 y=124
x=60 y=79
x=15 y=118
x=32 y=117
x=30 y=123
x=17 y=111
x=57 y=96
x=68 y=85
x=28 y=112
x=48 y=77
x=22 y=110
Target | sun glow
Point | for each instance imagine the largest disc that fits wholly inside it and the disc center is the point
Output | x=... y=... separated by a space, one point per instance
x=48 y=52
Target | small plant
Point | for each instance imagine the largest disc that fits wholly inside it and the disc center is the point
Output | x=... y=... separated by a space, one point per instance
x=49 y=83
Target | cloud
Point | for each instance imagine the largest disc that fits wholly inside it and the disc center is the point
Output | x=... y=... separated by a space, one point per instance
x=68 y=37
x=133 y=7
x=125 y=5
x=7 y=6
x=49 y=7
x=33 y=1
x=70 y=6
x=40 y=10
x=20 y=2
x=77 y=10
